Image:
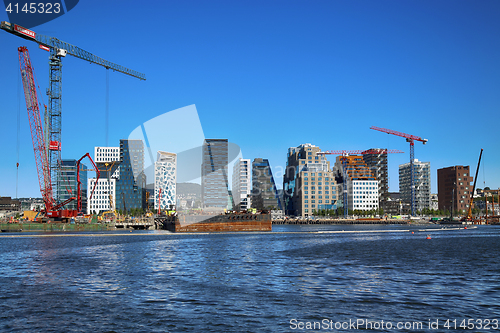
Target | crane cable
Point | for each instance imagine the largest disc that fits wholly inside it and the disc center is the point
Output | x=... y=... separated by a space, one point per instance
x=18 y=144
x=107 y=107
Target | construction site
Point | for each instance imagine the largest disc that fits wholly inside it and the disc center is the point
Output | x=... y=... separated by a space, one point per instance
x=61 y=204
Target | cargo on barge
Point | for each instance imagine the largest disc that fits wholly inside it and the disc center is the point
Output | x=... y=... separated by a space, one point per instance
x=215 y=223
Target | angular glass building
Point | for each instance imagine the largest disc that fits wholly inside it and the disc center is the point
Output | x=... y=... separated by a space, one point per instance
x=214 y=178
x=264 y=192
x=131 y=185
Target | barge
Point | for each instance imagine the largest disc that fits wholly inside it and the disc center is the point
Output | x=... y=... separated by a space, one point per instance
x=215 y=223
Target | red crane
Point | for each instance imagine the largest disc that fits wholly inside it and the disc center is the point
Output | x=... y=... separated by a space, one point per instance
x=52 y=209
x=411 y=139
x=345 y=153
x=361 y=152
x=39 y=145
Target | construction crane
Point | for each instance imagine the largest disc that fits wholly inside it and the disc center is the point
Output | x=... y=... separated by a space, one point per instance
x=37 y=134
x=346 y=153
x=469 y=212
x=52 y=209
x=411 y=139
x=59 y=49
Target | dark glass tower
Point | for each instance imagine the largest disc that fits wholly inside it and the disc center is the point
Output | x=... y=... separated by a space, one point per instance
x=264 y=192
x=214 y=181
x=131 y=186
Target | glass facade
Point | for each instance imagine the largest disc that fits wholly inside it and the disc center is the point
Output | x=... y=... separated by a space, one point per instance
x=131 y=186
x=264 y=192
x=214 y=181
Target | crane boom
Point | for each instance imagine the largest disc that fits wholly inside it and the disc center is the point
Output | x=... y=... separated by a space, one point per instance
x=39 y=145
x=404 y=135
x=360 y=152
x=66 y=48
x=469 y=212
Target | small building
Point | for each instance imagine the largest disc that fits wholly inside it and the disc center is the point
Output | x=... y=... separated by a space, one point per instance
x=7 y=204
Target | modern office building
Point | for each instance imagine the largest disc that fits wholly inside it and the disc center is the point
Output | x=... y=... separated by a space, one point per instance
x=308 y=183
x=241 y=184
x=165 y=181
x=106 y=155
x=361 y=184
x=69 y=185
x=376 y=160
x=264 y=192
x=131 y=184
x=454 y=188
x=422 y=184
x=214 y=177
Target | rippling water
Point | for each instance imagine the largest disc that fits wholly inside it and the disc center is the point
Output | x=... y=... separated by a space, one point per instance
x=249 y=282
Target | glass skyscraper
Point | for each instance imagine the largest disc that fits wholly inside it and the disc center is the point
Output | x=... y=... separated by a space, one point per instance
x=214 y=181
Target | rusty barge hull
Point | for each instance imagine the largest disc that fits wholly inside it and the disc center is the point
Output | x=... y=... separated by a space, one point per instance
x=218 y=223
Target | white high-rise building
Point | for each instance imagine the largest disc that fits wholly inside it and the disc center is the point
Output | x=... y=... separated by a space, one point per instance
x=165 y=180
x=241 y=185
x=106 y=154
x=107 y=160
x=101 y=199
x=422 y=183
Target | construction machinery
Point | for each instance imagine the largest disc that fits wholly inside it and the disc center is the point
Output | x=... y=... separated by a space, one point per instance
x=52 y=208
x=492 y=217
x=469 y=212
x=59 y=49
x=346 y=153
x=411 y=139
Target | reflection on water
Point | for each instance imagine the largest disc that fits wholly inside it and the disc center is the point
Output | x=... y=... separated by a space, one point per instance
x=161 y=282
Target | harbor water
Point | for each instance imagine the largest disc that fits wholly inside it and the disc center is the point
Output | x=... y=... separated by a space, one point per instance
x=297 y=278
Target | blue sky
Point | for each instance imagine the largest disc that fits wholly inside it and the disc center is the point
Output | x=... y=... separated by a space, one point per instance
x=269 y=75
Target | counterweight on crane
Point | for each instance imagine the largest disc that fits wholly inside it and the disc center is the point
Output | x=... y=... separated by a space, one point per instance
x=343 y=159
x=59 y=49
x=411 y=139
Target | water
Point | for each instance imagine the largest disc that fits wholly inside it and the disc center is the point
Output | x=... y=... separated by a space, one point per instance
x=260 y=282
